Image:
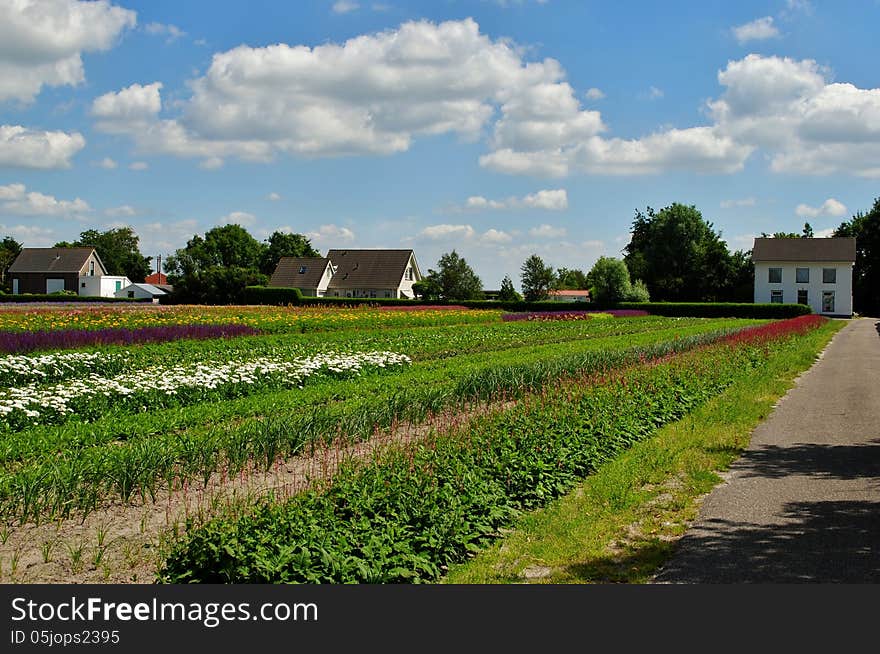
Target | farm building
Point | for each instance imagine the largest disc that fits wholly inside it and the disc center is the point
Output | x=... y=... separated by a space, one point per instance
x=568 y=295
x=77 y=270
x=351 y=273
x=812 y=271
x=141 y=292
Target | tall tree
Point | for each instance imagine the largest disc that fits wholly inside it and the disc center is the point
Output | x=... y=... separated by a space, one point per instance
x=119 y=250
x=865 y=227
x=9 y=250
x=456 y=279
x=574 y=279
x=281 y=244
x=678 y=255
x=537 y=279
x=807 y=231
x=508 y=292
x=610 y=281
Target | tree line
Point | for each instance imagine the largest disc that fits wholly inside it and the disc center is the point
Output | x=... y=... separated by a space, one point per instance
x=674 y=255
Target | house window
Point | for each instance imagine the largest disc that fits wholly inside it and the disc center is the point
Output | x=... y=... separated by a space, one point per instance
x=802 y=297
x=776 y=297
x=131 y=294
x=802 y=275
x=83 y=285
x=348 y=294
x=387 y=293
x=829 y=275
x=118 y=285
x=775 y=275
x=409 y=274
x=827 y=301
x=302 y=270
x=372 y=293
x=91 y=268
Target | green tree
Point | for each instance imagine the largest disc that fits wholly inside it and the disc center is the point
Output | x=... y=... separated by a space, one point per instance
x=456 y=279
x=118 y=249
x=808 y=231
x=9 y=250
x=427 y=289
x=865 y=227
x=611 y=283
x=536 y=279
x=508 y=292
x=573 y=279
x=679 y=255
x=281 y=244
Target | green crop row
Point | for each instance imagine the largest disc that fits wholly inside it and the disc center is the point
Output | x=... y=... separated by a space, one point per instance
x=70 y=469
x=409 y=513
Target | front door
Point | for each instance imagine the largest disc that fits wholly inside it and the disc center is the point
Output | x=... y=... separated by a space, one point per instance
x=827 y=301
x=54 y=285
x=15 y=286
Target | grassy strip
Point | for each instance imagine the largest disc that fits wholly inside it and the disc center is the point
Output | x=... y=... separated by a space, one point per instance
x=621 y=523
x=410 y=513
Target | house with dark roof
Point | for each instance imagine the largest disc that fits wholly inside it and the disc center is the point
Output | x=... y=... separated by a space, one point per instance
x=813 y=271
x=50 y=270
x=350 y=273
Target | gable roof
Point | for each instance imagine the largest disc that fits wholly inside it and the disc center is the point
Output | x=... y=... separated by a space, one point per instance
x=287 y=273
x=55 y=260
x=148 y=288
x=804 y=249
x=368 y=268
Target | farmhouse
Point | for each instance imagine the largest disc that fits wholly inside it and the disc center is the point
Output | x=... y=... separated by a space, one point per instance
x=50 y=270
x=569 y=295
x=813 y=271
x=351 y=273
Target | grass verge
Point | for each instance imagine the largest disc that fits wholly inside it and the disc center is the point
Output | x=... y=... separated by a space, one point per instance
x=621 y=523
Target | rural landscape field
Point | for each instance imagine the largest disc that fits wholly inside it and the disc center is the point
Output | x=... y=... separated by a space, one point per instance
x=299 y=444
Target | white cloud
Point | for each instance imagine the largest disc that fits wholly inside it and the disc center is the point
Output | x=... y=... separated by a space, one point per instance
x=134 y=106
x=550 y=200
x=330 y=235
x=594 y=94
x=741 y=242
x=211 y=163
x=654 y=93
x=125 y=210
x=496 y=236
x=547 y=231
x=345 y=6
x=107 y=163
x=445 y=232
x=138 y=165
x=742 y=202
x=31 y=235
x=15 y=200
x=42 y=41
x=759 y=29
x=238 y=218
x=273 y=196
x=21 y=147
x=172 y=32
x=166 y=236
x=824 y=233
x=380 y=6
x=831 y=207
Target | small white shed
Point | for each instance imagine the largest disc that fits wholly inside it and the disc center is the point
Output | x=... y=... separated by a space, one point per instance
x=141 y=292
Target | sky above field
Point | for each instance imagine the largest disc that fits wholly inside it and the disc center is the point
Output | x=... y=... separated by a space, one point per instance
x=495 y=128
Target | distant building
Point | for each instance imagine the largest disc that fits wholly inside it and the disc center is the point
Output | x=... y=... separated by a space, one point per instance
x=812 y=271
x=351 y=273
x=50 y=270
x=141 y=292
x=566 y=295
x=157 y=278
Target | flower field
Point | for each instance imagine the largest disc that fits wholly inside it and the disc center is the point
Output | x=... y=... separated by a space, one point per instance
x=116 y=424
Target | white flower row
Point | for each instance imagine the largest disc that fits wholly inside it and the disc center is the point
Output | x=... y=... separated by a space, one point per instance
x=35 y=401
x=25 y=367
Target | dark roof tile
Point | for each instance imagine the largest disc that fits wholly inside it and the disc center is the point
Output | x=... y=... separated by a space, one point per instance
x=804 y=249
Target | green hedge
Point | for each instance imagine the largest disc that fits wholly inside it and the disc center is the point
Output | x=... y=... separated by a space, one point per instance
x=42 y=297
x=273 y=295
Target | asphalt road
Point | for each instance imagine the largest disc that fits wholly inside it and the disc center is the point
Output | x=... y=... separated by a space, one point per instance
x=803 y=502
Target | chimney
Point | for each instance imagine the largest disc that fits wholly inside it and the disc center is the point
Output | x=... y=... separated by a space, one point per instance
x=159 y=263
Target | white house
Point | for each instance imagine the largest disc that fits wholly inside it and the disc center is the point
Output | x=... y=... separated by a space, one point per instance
x=351 y=273
x=103 y=285
x=140 y=292
x=813 y=271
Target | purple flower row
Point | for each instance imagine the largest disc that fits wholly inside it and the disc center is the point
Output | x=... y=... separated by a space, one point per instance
x=16 y=342
x=572 y=315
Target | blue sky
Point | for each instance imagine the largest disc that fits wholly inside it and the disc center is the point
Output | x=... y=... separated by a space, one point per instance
x=499 y=129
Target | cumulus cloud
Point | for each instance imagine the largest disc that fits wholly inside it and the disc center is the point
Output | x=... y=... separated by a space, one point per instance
x=16 y=200
x=345 y=7
x=42 y=41
x=496 y=236
x=331 y=234
x=274 y=197
x=171 y=32
x=742 y=202
x=831 y=207
x=594 y=94
x=238 y=218
x=21 y=147
x=547 y=231
x=445 y=231
x=550 y=200
x=759 y=29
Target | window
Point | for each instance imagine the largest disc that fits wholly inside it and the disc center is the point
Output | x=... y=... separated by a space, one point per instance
x=775 y=275
x=829 y=275
x=131 y=294
x=91 y=268
x=372 y=293
x=802 y=275
x=387 y=293
x=118 y=285
x=827 y=301
x=802 y=297
x=409 y=274
x=83 y=285
x=776 y=297
x=302 y=270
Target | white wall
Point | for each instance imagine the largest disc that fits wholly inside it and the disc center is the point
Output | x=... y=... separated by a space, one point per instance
x=789 y=287
x=101 y=286
x=139 y=293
